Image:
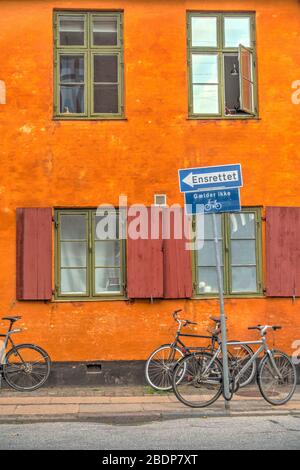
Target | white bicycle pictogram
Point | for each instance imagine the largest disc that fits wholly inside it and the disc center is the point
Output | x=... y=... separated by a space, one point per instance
x=213 y=204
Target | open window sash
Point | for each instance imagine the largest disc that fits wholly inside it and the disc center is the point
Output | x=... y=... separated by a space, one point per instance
x=246 y=80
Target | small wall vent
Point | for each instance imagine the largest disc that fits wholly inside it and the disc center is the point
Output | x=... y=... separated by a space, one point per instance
x=93 y=368
x=160 y=199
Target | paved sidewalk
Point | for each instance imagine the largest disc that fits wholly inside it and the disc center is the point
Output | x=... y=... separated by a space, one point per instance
x=123 y=405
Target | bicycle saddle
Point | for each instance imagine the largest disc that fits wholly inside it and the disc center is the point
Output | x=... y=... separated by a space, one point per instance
x=12 y=319
x=216 y=319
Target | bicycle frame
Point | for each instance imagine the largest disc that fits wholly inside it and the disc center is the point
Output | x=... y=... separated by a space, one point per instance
x=7 y=340
x=189 y=349
x=263 y=348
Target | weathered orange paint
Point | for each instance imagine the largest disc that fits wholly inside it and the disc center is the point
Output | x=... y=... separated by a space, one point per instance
x=50 y=163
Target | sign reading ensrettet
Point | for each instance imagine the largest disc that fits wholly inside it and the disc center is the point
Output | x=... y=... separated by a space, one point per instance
x=217 y=177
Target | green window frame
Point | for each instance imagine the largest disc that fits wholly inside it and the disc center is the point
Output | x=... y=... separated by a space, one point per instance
x=204 y=263
x=81 y=261
x=216 y=53
x=82 y=89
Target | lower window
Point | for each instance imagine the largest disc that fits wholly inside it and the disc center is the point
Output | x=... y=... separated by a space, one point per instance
x=239 y=236
x=89 y=255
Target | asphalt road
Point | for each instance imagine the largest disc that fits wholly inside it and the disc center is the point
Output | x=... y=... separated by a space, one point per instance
x=279 y=432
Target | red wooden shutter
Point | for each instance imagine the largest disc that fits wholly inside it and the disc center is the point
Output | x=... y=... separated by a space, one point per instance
x=178 y=282
x=34 y=254
x=283 y=251
x=144 y=262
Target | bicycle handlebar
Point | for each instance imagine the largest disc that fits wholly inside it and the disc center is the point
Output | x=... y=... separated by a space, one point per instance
x=182 y=321
x=265 y=328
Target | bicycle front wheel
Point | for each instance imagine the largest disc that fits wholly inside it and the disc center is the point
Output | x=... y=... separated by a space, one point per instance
x=160 y=366
x=197 y=380
x=277 y=384
x=26 y=367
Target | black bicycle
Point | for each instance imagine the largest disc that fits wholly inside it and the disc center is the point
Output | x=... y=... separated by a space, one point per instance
x=25 y=367
x=161 y=362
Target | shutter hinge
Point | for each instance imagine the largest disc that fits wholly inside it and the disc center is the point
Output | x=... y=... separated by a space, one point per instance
x=125 y=288
x=55 y=220
x=263 y=219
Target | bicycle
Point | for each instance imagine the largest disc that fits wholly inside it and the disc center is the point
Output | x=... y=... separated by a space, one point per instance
x=25 y=367
x=213 y=205
x=198 y=378
x=162 y=361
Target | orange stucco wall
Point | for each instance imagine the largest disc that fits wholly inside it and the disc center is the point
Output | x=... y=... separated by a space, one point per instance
x=50 y=163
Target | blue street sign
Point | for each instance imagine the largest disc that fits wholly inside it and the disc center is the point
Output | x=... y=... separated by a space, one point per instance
x=213 y=201
x=216 y=177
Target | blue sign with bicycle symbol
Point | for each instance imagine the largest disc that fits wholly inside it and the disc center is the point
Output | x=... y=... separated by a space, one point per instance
x=213 y=201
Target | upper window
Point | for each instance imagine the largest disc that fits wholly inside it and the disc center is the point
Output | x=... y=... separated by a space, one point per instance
x=89 y=254
x=88 y=65
x=239 y=236
x=222 y=62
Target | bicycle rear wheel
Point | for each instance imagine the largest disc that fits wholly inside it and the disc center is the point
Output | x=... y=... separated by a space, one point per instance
x=160 y=365
x=275 y=390
x=26 y=367
x=197 y=381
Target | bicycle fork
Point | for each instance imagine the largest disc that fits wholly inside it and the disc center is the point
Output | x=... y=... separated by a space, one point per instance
x=277 y=371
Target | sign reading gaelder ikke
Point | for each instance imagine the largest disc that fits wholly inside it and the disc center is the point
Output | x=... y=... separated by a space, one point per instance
x=217 y=177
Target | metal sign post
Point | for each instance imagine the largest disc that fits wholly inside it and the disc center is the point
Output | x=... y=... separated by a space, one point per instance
x=223 y=318
x=216 y=190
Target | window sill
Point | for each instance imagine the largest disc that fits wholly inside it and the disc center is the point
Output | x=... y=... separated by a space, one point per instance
x=235 y=296
x=86 y=299
x=84 y=119
x=223 y=118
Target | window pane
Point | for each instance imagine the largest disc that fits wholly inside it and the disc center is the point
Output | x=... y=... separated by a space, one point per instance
x=205 y=68
x=204 y=32
x=106 y=99
x=105 y=31
x=71 y=30
x=246 y=64
x=209 y=228
x=73 y=281
x=237 y=31
x=242 y=225
x=72 y=99
x=207 y=280
x=72 y=68
x=107 y=253
x=206 y=99
x=107 y=280
x=206 y=255
x=244 y=279
x=232 y=84
x=243 y=252
x=73 y=254
x=247 y=89
x=106 y=68
x=73 y=227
